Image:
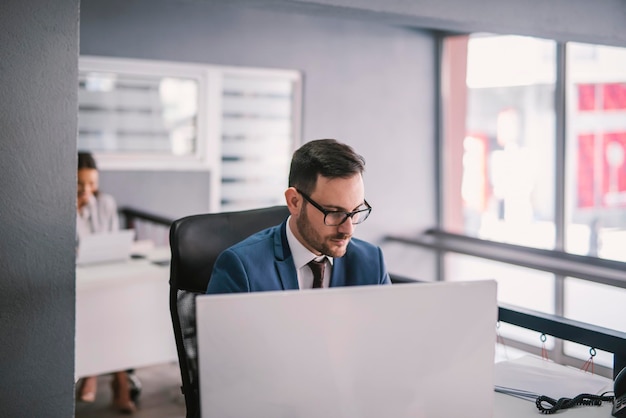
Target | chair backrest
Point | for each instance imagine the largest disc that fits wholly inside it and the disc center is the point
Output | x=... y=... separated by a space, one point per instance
x=195 y=242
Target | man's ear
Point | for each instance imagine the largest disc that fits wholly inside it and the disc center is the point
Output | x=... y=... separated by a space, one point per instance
x=293 y=200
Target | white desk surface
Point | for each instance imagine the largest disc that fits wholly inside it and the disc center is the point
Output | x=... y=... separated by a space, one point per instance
x=532 y=373
x=122 y=315
x=507 y=406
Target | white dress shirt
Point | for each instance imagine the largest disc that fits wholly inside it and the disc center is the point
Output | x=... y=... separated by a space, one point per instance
x=97 y=216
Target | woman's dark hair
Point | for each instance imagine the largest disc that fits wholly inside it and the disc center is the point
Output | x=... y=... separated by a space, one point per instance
x=326 y=157
x=86 y=160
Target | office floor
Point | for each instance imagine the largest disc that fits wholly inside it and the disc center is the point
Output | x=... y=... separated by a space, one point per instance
x=160 y=395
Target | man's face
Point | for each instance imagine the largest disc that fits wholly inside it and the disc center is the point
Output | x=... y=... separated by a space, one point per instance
x=332 y=194
x=87 y=185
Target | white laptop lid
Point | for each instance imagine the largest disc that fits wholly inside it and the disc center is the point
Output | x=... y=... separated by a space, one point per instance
x=105 y=247
x=408 y=350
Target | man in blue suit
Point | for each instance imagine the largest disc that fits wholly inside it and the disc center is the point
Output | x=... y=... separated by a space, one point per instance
x=326 y=201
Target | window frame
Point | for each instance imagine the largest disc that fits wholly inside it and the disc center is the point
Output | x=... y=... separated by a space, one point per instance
x=207 y=128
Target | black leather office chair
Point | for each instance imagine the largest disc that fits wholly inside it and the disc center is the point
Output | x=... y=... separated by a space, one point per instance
x=195 y=243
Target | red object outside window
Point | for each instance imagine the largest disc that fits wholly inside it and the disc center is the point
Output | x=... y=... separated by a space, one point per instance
x=614 y=95
x=586 y=177
x=586 y=97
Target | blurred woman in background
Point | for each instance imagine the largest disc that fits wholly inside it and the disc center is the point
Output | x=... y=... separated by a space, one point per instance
x=97 y=213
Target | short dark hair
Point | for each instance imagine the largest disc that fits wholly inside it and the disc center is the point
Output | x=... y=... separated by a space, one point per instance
x=86 y=160
x=326 y=157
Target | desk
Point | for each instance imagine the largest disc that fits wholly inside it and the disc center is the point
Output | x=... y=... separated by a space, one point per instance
x=506 y=406
x=122 y=315
x=536 y=375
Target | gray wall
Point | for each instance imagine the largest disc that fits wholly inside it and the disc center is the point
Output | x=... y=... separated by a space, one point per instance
x=38 y=72
x=367 y=84
x=600 y=21
x=172 y=194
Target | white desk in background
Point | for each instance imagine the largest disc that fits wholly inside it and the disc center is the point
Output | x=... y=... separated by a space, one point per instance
x=122 y=315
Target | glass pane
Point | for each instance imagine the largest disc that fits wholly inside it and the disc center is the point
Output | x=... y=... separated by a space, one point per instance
x=596 y=304
x=519 y=286
x=499 y=137
x=596 y=138
x=131 y=114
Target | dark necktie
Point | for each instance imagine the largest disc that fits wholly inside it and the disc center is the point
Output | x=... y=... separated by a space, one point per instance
x=317 y=267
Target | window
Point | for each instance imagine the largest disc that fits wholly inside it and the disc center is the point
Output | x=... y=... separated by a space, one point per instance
x=596 y=138
x=136 y=114
x=241 y=125
x=533 y=154
x=259 y=123
x=499 y=136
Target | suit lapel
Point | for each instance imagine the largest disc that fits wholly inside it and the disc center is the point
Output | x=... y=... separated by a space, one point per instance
x=338 y=276
x=283 y=259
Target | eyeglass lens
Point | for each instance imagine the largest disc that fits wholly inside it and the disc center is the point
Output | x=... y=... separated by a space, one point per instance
x=337 y=218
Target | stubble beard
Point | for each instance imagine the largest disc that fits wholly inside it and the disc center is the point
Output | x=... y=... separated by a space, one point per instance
x=316 y=241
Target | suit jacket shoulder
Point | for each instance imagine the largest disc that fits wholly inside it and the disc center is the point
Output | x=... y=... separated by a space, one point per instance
x=260 y=262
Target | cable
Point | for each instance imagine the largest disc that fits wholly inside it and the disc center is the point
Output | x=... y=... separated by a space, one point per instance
x=518 y=393
x=565 y=403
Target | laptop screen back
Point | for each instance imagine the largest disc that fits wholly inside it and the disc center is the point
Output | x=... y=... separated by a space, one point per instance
x=105 y=248
x=410 y=350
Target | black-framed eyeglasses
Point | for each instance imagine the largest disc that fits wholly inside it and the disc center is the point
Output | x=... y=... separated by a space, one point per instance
x=337 y=217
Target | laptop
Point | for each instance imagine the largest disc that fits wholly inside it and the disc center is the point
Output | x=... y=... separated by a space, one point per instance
x=105 y=248
x=409 y=350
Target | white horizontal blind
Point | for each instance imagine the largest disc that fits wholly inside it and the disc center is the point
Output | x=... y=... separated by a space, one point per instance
x=259 y=133
x=122 y=113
